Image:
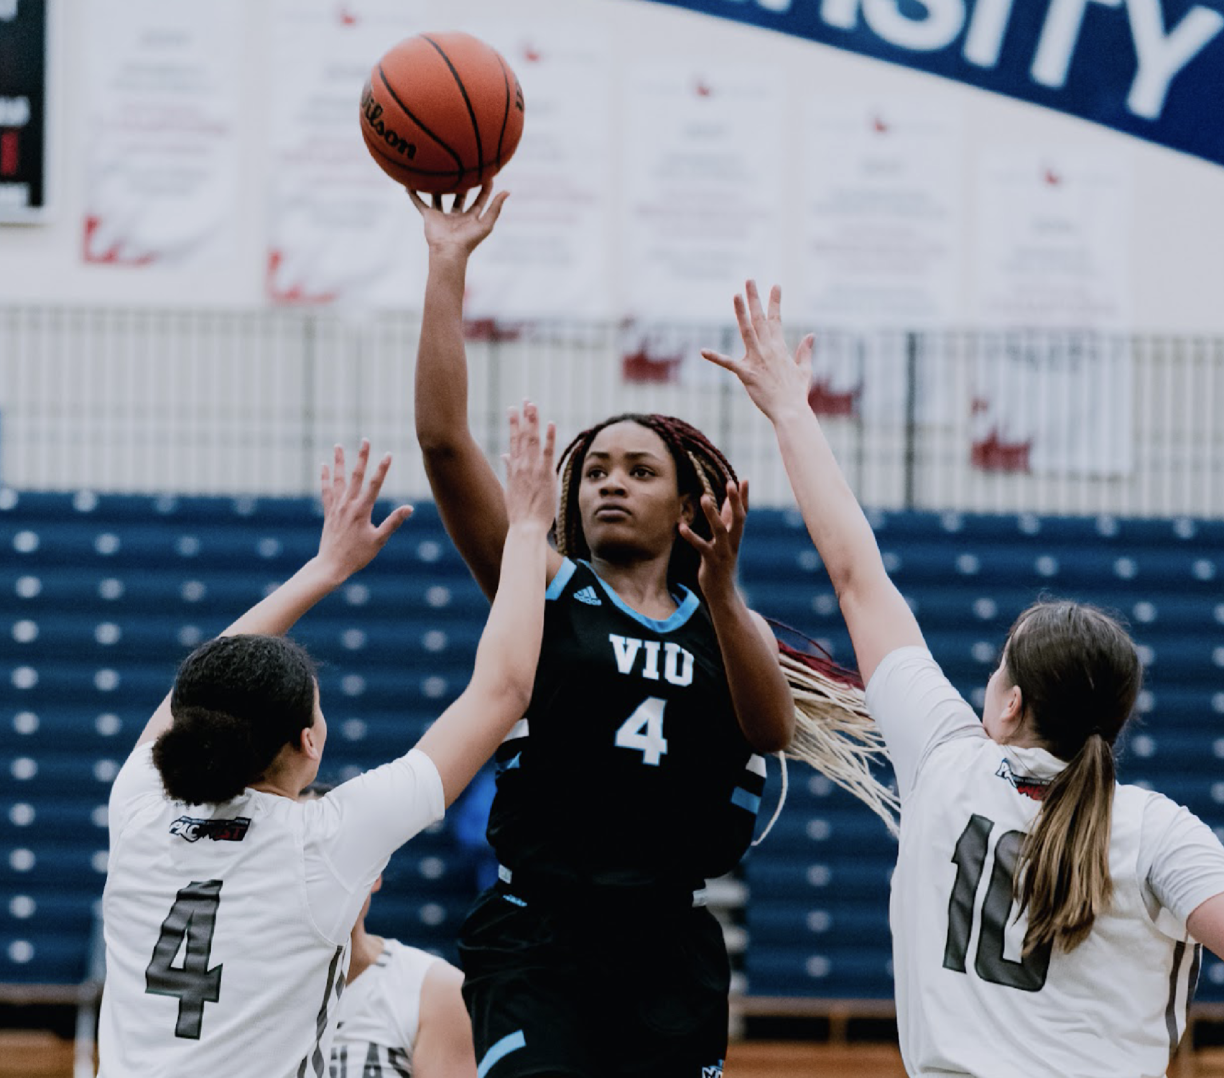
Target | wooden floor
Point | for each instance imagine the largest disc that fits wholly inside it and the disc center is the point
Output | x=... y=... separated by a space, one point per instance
x=42 y=1055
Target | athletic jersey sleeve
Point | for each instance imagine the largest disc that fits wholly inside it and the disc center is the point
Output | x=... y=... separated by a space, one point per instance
x=138 y=783
x=353 y=830
x=916 y=708
x=1184 y=858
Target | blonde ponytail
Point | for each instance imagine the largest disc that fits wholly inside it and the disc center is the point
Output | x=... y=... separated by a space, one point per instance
x=833 y=732
x=1062 y=877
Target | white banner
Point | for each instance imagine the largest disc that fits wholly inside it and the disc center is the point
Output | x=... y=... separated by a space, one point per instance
x=1052 y=231
x=162 y=99
x=550 y=254
x=1057 y=403
x=881 y=212
x=339 y=228
x=703 y=187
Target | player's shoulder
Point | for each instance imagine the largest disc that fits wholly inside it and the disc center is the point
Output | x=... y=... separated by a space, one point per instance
x=1151 y=807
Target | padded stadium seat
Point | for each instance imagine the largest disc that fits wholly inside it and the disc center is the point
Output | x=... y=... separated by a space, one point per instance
x=813 y=880
x=88 y=684
x=25 y=811
x=829 y=972
x=68 y=865
x=37 y=908
x=41 y=958
x=60 y=773
x=92 y=730
x=820 y=833
x=774 y=923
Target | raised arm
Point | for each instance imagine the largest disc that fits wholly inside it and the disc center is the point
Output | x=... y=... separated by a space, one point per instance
x=349 y=542
x=759 y=692
x=443 y=1046
x=877 y=616
x=467 y=492
x=473 y=726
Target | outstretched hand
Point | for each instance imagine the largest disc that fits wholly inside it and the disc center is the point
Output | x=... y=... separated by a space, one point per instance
x=531 y=481
x=350 y=539
x=720 y=551
x=774 y=379
x=458 y=229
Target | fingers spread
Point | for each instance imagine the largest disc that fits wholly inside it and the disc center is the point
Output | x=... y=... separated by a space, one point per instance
x=495 y=208
x=718 y=359
x=359 y=469
x=338 y=467
x=550 y=445
x=744 y=320
x=393 y=522
x=376 y=480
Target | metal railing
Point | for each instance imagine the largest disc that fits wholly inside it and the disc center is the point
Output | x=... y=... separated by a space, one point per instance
x=251 y=401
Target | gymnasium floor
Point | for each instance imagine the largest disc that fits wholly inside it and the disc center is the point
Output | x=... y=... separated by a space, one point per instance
x=42 y=1055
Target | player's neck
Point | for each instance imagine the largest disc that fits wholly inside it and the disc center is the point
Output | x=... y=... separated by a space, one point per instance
x=366 y=949
x=642 y=585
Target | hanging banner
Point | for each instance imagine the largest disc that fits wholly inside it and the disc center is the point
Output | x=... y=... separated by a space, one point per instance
x=1054 y=403
x=340 y=230
x=549 y=256
x=162 y=96
x=702 y=192
x=1151 y=68
x=1052 y=231
x=881 y=212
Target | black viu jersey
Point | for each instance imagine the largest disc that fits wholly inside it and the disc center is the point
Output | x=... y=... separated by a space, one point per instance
x=630 y=767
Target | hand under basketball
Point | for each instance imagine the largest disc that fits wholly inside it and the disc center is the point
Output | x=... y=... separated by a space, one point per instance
x=460 y=229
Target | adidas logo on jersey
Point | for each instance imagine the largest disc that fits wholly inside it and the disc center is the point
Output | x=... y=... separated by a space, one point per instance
x=587 y=595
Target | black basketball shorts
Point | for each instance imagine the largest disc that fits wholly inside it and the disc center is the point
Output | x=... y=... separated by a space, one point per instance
x=558 y=987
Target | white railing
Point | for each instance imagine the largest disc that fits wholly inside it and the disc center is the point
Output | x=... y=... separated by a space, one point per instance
x=251 y=401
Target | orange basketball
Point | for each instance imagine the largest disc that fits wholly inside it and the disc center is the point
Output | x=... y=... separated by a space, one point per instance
x=442 y=112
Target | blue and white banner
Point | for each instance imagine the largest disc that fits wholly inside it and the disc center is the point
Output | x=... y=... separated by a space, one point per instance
x=1150 y=68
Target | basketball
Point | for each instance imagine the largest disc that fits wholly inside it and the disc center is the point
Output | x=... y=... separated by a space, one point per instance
x=442 y=112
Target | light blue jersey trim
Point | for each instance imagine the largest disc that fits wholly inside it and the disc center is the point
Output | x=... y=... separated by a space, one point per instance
x=512 y=1042
x=678 y=617
x=557 y=585
x=746 y=800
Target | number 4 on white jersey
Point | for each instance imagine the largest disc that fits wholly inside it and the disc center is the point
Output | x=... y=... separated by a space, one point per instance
x=643 y=731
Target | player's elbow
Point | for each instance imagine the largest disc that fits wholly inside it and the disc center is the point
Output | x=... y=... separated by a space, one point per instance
x=773 y=738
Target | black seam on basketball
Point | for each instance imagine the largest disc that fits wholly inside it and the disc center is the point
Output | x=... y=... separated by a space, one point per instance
x=480 y=161
x=408 y=112
x=501 y=135
x=373 y=147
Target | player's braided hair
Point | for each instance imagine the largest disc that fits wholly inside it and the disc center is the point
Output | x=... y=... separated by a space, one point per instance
x=833 y=732
x=701 y=468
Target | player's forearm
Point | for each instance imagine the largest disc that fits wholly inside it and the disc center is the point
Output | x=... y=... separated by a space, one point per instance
x=759 y=692
x=509 y=647
x=441 y=395
x=833 y=516
x=277 y=613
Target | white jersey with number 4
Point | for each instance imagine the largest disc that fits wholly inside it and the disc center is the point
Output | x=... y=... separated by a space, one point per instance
x=227 y=927
x=968 y=1003
x=381 y=1014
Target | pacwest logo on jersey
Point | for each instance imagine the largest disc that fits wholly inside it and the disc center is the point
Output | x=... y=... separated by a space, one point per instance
x=642 y=657
x=192 y=830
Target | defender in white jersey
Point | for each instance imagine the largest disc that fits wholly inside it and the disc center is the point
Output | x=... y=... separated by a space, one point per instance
x=403 y=1014
x=1046 y=921
x=228 y=905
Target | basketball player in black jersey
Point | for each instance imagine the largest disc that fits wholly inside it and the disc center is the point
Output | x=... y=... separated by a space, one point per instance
x=633 y=776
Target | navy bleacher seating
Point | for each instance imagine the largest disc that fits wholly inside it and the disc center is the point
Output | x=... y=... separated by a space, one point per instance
x=102 y=595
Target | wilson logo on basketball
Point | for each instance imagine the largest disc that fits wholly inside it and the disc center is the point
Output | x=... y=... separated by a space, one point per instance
x=372 y=111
